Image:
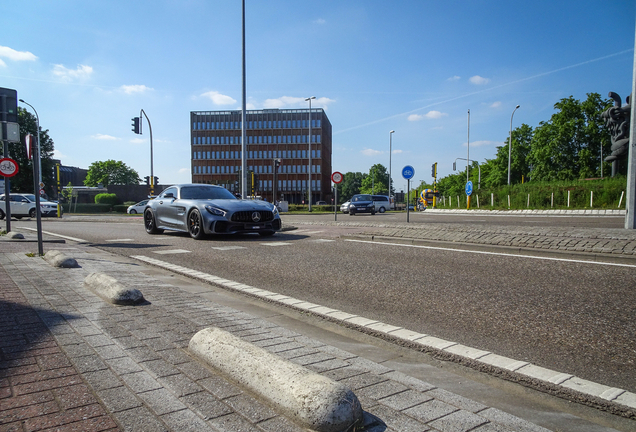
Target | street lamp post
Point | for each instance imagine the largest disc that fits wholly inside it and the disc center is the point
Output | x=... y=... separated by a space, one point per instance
x=510 y=143
x=309 y=146
x=37 y=179
x=390 y=153
x=152 y=173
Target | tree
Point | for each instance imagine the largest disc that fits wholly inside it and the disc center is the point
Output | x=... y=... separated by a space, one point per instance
x=377 y=182
x=568 y=146
x=23 y=181
x=497 y=168
x=350 y=185
x=110 y=172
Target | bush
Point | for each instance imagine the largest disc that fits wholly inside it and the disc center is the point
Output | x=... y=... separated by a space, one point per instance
x=106 y=198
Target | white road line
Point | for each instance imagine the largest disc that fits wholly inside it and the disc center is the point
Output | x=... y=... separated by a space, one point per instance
x=121 y=240
x=276 y=244
x=227 y=248
x=171 y=251
x=58 y=235
x=494 y=253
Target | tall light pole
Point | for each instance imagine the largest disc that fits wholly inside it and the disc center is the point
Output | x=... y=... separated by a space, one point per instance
x=510 y=143
x=243 y=117
x=468 y=150
x=309 y=146
x=152 y=172
x=390 y=153
x=37 y=179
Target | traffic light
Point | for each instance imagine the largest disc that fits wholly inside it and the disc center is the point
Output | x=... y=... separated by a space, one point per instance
x=136 y=124
x=147 y=178
x=156 y=180
x=8 y=105
x=276 y=164
x=434 y=170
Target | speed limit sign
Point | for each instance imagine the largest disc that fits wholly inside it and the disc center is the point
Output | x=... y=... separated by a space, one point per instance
x=336 y=177
x=8 y=167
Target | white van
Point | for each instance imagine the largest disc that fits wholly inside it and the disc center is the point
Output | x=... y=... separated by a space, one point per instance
x=382 y=203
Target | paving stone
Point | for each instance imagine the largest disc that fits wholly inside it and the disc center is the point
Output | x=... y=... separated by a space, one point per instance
x=161 y=401
x=119 y=399
x=396 y=421
x=141 y=382
x=140 y=420
x=233 y=423
x=503 y=418
x=206 y=405
x=382 y=390
x=429 y=411
x=159 y=368
x=219 y=387
x=456 y=400
x=405 y=400
x=102 y=380
x=360 y=381
x=186 y=421
x=458 y=421
x=252 y=409
x=124 y=365
x=180 y=384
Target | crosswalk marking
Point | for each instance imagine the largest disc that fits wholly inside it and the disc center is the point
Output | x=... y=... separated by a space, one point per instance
x=227 y=248
x=171 y=251
x=276 y=244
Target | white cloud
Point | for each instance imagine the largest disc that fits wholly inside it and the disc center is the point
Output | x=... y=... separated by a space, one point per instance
x=104 y=137
x=320 y=21
x=478 y=80
x=371 y=152
x=299 y=102
x=454 y=78
x=428 y=115
x=397 y=152
x=14 y=55
x=66 y=74
x=136 y=88
x=138 y=141
x=495 y=104
x=218 y=98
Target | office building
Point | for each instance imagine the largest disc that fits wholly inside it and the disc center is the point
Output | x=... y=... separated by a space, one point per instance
x=274 y=137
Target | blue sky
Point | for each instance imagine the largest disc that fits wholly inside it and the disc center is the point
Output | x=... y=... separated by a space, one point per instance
x=415 y=67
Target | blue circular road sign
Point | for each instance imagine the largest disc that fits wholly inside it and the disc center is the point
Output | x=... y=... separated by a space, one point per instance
x=408 y=172
x=469 y=188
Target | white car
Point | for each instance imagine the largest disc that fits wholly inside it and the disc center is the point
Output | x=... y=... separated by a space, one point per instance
x=23 y=205
x=345 y=207
x=137 y=208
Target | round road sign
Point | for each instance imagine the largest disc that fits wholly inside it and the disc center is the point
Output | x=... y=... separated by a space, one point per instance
x=408 y=172
x=8 y=167
x=469 y=188
x=336 y=177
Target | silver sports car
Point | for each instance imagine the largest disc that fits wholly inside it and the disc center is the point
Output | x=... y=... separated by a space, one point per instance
x=201 y=209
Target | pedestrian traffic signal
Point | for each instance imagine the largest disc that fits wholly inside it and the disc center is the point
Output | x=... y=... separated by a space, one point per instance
x=136 y=124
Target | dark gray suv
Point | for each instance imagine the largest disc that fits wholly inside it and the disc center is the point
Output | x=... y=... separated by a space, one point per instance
x=361 y=204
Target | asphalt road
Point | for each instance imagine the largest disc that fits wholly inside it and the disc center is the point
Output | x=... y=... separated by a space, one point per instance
x=569 y=316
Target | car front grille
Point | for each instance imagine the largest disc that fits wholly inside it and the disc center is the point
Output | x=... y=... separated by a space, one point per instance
x=246 y=216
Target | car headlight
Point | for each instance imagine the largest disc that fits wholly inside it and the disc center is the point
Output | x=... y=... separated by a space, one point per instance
x=275 y=210
x=215 y=211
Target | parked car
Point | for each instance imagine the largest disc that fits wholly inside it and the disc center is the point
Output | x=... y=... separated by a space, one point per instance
x=201 y=209
x=321 y=203
x=382 y=203
x=361 y=203
x=137 y=208
x=345 y=207
x=23 y=205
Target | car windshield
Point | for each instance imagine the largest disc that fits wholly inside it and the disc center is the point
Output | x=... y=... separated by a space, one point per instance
x=205 y=193
x=358 y=198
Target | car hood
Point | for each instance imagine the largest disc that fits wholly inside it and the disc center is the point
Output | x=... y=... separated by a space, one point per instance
x=241 y=205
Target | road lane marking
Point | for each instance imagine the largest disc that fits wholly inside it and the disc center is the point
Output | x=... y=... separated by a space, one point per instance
x=495 y=253
x=78 y=240
x=171 y=251
x=276 y=244
x=121 y=240
x=227 y=248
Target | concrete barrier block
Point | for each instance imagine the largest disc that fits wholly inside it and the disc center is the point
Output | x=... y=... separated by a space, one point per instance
x=109 y=289
x=58 y=259
x=310 y=399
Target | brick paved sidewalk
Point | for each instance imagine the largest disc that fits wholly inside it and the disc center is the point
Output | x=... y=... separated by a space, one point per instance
x=40 y=390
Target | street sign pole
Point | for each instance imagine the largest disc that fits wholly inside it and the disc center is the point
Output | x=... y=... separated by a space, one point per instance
x=407 y=173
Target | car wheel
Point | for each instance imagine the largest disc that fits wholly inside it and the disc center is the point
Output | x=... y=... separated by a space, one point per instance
x=352 y=213
x=195 y=225
x=266 y=233
x=2 y=215
x=382 y=209
x=150 y=223
x=133 y=211
x=32 y=213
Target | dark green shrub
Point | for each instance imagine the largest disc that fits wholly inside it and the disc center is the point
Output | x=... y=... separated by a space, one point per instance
x=106 y=198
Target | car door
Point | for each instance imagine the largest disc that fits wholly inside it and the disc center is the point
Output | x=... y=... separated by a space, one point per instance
x=20 y=205
x=168 y=210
